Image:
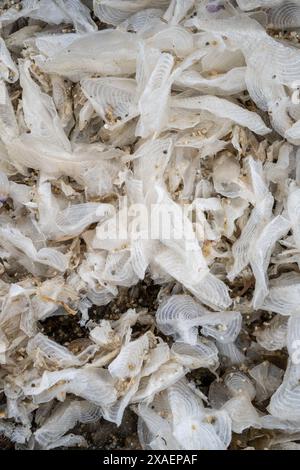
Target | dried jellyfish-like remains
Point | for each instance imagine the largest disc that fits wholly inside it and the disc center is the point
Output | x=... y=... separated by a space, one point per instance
x=149 y=222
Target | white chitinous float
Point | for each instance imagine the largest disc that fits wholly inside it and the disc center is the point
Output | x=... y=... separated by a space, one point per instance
x=150 y=141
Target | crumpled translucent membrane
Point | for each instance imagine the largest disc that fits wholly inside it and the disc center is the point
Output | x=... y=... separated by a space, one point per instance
x=113 y=112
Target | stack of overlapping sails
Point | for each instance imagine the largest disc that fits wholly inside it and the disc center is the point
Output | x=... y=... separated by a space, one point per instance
x=151 y=140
